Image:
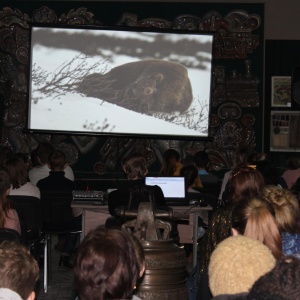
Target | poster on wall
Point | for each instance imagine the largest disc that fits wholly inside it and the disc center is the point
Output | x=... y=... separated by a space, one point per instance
x=281 y=91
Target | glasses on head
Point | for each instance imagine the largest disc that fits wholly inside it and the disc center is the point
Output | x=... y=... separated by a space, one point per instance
x=245 y=169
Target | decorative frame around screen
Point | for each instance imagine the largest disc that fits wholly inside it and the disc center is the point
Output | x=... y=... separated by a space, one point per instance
x=281 y=94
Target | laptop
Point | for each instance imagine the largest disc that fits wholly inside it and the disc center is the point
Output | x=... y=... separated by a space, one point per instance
x=173 y=189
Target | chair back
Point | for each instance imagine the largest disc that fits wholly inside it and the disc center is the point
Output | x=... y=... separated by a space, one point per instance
x=56 y=209
x=7 y=234
x=30 y=216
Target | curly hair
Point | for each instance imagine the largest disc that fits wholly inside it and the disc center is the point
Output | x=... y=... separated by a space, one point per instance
x=286 y=207
x=281 y=283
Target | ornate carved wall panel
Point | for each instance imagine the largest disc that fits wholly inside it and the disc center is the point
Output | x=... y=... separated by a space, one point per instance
x=233 y=91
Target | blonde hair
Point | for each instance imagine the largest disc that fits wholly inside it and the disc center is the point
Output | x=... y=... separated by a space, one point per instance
x=285 y=205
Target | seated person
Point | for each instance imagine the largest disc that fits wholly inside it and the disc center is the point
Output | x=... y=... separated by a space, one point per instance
x=8 y=216
x=43 y=152
x=19 y=272
x=135 y=168
x=18 y=173
x=56 y=181
x=171 y=164
x=202 y=163
x=106 y=265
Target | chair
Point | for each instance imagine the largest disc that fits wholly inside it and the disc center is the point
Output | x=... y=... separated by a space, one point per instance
x=57 y=218
x=7 y=234
x=29 y=212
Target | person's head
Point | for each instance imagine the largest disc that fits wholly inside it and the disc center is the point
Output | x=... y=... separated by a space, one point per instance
x=255 y=218
x=245 y=182
x=190 y=174
x=268 y=171
x=281 y=283
x=293 y=163
x=57 y=161
x=237 y=263
x=19 y=271
x=5 y=153
x=286 y=207
x=43 y=151
x=171 y=159
x=201 y=160
x=135 y=166
x=17 y=171
x=106 y=265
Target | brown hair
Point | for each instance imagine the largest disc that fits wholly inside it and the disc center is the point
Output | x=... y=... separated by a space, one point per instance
x=106 y=266
x=170 y=159
x=255 y=218
x=285 y=205
x=43 y=151
x=245 y=181
x=17 y=171
x=57 y=160
x=135 y=166
x=5 y=203
x=19 y=271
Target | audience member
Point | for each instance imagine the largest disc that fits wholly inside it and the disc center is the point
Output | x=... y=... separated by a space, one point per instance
x=18 y=173
x=255 y=218
x=5 y=153
x=240 y=157
x=236 y=264
x=19 y=272
x=171 y=164
x=244 y=182
x=287 y=214
x=8 y=216
x=43 y=152
x=281 y=283
x=292 y=173
x=106 y=265
x=135 y=168
x=56 y=181
x=202 y=163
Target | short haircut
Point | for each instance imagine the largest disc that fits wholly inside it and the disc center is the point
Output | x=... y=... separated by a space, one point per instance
x=135 y=166
x=43 y=151
x=286 y=207
x=201 y=159
x=19 y=271
x=57 y=160
x=281 y=283
x=106 y=266
x=17 y=171
x=293 y=163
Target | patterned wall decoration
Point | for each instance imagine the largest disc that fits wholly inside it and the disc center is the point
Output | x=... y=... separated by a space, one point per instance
x=231 y=122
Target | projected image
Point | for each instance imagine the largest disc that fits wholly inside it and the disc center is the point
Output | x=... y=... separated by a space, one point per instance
x=120 y=81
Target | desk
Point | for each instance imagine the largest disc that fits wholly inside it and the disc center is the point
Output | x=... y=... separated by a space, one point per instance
x=94 y=216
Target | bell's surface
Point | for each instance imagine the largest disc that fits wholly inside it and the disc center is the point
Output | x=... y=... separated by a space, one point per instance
x=165 y=273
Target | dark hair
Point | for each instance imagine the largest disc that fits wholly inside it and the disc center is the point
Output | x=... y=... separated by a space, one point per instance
x=201 y=159
x=281 y=283
x=255 y=218
x=43 y=151
x=293 y=163
x=241 y=155
x=170 y=158
x=106 y=266
x=17 y=171
x=135 y=166
x=57 y=160
x=19 y=271
x=5 y=153
x=190 y=173
x=245 y=182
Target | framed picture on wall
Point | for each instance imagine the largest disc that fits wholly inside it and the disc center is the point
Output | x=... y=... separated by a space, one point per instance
x=281 y=91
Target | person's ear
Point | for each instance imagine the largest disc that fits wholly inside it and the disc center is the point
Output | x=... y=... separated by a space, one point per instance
x=31 y=296
x=146 y=172
x=234 y=232
x=7 y=192
x=49 y=166
x=142 y=271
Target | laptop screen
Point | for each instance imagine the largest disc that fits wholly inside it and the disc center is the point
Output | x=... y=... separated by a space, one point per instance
x=172 y=187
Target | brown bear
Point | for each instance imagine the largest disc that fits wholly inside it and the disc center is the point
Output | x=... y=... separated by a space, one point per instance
x=144 y=86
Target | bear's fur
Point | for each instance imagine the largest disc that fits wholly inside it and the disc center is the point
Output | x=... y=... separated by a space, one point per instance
x=145 y=86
